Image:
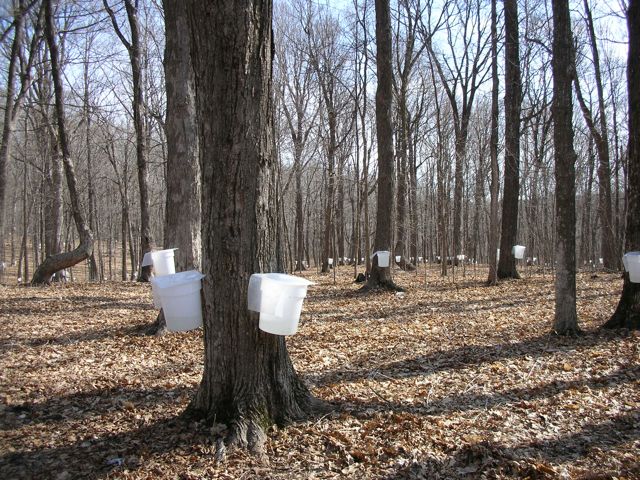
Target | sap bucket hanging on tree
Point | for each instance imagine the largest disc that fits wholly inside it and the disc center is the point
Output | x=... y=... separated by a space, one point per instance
x=180 y=299
x=383 y=258
x=631 y=262
x=518 y=251
x=162 y=261
x=278 y=298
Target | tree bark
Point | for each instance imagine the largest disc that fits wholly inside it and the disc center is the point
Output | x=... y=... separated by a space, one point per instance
x=182 y=214
x=182 y=210
x=380 y=277
x=512 y=104
x=249 y=381
x=494 y=226
x=566 y=319
x=627 y=314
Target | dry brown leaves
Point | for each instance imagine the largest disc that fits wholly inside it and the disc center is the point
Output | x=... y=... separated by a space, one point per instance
x=449 y=380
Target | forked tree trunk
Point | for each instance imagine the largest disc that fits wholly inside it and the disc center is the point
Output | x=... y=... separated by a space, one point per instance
x=566 y=319
x=627 y=314
x=380 y=277
x=249 y=381
x=83 y=251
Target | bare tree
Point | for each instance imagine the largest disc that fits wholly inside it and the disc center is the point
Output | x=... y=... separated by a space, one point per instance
x=599 y=130
x=627 y=314
x=300 y=112
x=461 y=73
x=493 y=151
x=512 y=107
x=19 y=68
x=134 y=49
x=183 y=204
x=380 y=277
x=83 y=251
x=249 y=381
x=566 y=318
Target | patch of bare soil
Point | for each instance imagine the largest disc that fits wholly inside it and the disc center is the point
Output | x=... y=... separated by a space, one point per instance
x=447 y=380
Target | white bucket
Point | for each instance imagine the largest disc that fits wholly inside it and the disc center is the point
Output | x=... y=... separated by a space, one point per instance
x=278 y=298
x=461 y=257
x=631 y=262
x=383 y=258
x=180 y=299
x=398 y=258
x=330 y=261
x=162 y=261
x=163 y=264
x=518 y=251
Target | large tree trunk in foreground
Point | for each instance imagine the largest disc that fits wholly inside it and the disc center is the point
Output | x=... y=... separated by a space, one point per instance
x=512 y=102
x=249 y=381
x=627 y=315
x=83 y=251
x=566 y=318
x=380 y=277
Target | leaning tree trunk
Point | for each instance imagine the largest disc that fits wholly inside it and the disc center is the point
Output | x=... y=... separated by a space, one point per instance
x=566 y=319
x=380 y=277
x=512 y=101
x=627 y=315
x=83 y=251
x=249 y=381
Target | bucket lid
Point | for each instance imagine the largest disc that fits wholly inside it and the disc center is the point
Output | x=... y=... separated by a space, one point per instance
x=176 y=279
x=290 y=280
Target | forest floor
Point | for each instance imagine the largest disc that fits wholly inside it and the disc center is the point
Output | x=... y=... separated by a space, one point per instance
x=448 y=380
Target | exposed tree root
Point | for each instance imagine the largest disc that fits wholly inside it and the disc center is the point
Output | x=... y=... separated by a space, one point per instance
x=381 y=286
x=159 y=327
x=627 y=314
x=569 y=332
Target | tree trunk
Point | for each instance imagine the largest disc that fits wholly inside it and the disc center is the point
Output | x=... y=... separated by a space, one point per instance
x=182 y=217
x=566 y=319
x=627 y=314
x=512 y=101
x=380 y=277
x=134 y=48
x=494 y=233
x=249 y=381
x=182 y=211
x=94 y=274
x=83 y=251
x=11 y=107
x=601 y=138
